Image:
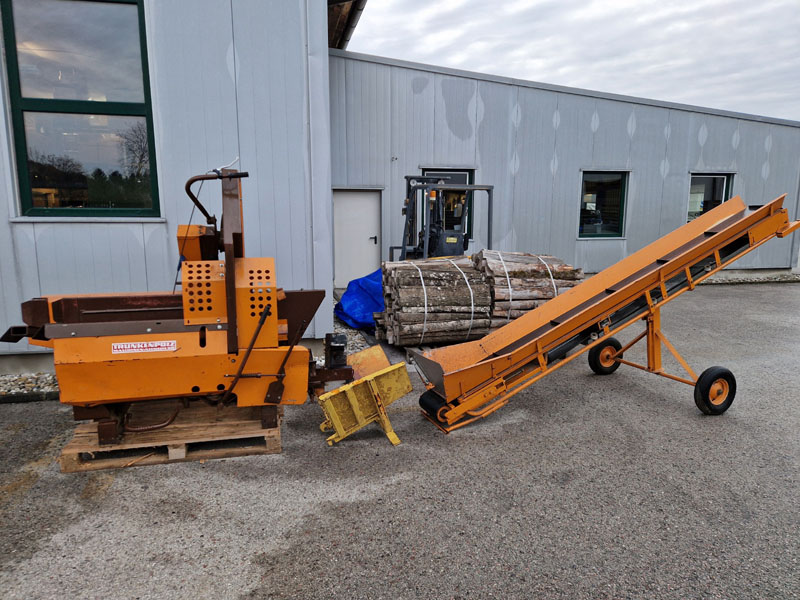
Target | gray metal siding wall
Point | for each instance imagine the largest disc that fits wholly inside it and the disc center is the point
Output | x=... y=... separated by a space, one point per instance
x=273 y=114
x=389 y=118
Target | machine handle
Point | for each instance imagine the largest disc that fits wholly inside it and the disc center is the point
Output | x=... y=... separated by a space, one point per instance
x=211 y=220
x=374 y=238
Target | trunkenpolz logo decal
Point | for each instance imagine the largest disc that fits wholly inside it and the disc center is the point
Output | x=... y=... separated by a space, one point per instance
x=129 y=347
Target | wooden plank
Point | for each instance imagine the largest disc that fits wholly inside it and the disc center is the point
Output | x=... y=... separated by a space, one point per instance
x=266 y=444
x=189 y=437
x=85 y=439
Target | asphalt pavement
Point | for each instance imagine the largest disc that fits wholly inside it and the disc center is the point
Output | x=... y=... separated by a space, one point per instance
x=582 y=487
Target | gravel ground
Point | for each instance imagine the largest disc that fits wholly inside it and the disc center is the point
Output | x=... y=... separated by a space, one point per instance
x=27 y=382
x=754 y=276
x=582 y=487
x=355 y=341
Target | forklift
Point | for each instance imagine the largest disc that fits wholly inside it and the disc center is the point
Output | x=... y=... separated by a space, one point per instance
x=438 y=215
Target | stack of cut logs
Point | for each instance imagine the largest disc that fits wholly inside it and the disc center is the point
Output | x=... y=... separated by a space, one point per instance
x=521 y=282
x=504 y=286
x=442 y=311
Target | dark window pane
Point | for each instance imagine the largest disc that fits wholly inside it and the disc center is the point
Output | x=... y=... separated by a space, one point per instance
x=602 y=204
x=706 y=192
x=78 y=50
x=88 y=161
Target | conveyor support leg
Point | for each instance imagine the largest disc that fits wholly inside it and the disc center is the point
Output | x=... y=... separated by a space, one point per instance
x=655 y=338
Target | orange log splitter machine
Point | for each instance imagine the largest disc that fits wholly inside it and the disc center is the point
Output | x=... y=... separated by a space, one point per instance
x=230 y=336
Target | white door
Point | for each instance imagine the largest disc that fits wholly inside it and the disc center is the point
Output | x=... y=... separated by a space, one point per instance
x=356 y=234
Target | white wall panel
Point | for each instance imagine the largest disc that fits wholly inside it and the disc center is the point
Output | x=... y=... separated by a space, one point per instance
x=245 y=78
x=648 y=148
x=573 y=152
x=455 y=121
x=532 y=166
x=160 y=270
x=532 y=142
x=498 y=122
x=613 y=125
x=191 y=57
x=411 y=144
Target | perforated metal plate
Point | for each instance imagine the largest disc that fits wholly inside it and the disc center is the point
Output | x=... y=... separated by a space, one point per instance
x=203 y=285
x=255 y=290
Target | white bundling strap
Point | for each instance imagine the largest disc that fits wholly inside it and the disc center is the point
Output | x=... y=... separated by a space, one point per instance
x=425 y=297
x=471 y=297
x=508 y=282
x=552 y=280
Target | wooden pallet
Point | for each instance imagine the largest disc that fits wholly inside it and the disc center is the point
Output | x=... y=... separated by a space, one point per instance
x=199 y=432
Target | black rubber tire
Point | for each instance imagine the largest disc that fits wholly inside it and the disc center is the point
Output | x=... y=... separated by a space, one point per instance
x=710 y=381
x=595 y=361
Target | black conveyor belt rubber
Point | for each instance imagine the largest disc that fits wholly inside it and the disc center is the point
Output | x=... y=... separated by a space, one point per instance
x=431 y=402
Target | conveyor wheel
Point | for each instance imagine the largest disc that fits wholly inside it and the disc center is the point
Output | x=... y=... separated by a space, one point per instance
x=715 y=390
x=601 y=357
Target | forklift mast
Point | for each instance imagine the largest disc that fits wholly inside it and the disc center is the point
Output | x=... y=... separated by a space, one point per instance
x=437 y=217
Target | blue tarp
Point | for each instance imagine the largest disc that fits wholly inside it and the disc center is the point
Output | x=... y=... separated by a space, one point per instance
x=362 y=297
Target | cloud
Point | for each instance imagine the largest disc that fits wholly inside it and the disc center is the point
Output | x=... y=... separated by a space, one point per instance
x=727 y=54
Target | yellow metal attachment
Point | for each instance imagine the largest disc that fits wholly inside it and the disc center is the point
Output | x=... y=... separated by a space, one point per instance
x=368 y=361
x=355 y=405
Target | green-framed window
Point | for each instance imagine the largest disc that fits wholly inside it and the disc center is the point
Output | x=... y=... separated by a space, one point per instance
x=80 y=106
x=603 y=196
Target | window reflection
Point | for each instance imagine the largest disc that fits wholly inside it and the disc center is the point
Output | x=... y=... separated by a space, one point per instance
x=88 y=161
x=707 y=192
x=602 y=204
x=78 y=50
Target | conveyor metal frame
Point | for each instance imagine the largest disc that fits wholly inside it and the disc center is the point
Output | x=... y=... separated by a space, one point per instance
x=470 y=381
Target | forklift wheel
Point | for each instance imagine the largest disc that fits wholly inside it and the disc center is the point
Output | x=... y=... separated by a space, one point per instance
x=715 y=390
x=600 y=357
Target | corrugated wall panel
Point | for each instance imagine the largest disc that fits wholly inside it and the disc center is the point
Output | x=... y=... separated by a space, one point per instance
x=573 y=152
x=84 y=258
x=532 y=144
x=675 y=171
x=648 y=149
x=455 y=121
x=190 y=52
x=711 y=143
x=613 y=125
x=270 y=87
x=595 y=255
x=318 y=163
x=367 y=101
x=338 y=114
x=498 y=122
x=24 y=284
x=769 y=162
x=539 y=120
x=411 y=138
x=227 y=79
x=160 y=270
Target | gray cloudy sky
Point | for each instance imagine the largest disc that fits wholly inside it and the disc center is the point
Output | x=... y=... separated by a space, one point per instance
x=740 y=55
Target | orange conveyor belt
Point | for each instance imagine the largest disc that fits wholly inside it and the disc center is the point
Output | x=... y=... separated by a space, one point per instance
x=471 y=380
